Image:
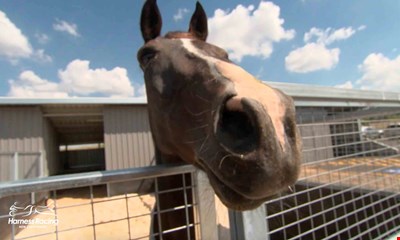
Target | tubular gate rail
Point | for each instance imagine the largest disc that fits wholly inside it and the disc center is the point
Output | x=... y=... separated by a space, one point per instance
x=77 y=205
x=349 y=187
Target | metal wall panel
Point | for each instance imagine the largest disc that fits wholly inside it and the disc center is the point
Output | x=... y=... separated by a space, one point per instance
x=5 y=166
x=127 y=137
x=21 y=130
x=51 y=146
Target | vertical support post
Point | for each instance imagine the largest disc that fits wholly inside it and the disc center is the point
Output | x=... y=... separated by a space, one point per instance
x=205 y=211
x=359 y=125
x=33 y=198
x=15 y=167
x=13 y=232
x=248 y=225
x=41 y=164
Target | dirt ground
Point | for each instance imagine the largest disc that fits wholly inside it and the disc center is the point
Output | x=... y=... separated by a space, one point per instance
x=110 y=218
x=366 y=172
x=128 y=217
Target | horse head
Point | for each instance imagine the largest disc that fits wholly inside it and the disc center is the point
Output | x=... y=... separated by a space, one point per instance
x=207 y=111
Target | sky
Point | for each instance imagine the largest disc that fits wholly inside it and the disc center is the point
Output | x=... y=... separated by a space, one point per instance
x=82 y=48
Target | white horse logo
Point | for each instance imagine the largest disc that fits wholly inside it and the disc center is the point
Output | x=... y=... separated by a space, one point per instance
x=30 y=210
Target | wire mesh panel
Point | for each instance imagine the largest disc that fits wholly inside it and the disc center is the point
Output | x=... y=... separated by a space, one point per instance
x=349 y=186
x=66 y=208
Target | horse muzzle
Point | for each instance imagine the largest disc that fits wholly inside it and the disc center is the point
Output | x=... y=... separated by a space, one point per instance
x=255 y=163
x=238 y=126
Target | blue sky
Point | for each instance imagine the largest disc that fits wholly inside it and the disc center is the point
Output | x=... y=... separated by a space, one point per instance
x=88 y=48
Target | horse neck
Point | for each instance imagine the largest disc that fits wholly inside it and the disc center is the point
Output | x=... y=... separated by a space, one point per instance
x=174 y=181
x=162 y=158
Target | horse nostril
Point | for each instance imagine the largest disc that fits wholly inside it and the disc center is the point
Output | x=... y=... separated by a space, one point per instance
x=236 y=127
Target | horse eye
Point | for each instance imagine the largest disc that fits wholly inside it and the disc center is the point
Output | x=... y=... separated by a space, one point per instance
x=146 y=56
x=226 y=55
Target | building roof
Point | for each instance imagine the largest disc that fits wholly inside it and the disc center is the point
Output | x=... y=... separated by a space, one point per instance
x=73 y=100
x=303 y=95
x=80 y=120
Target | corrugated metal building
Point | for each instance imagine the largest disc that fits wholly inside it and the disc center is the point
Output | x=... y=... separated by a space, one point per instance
x=127 y=137
x=26 y=140
x=40 y=137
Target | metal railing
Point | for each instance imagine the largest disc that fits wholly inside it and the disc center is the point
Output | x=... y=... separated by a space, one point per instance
x=78 y=204
x=349 y=187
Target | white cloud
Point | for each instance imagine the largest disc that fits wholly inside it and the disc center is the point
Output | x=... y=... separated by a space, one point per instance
x=141 y=91
x=248 y=31
x=13 y=43
x=329 y=35
x=40 y=56
x=76 y=80
x=29 y=85
x=346 y=85
x=42 y=38
x=380 y=73
x=180 y=14
x=79 y=79
x=312 y=57
x=64 y=26
x=315 y=55
x=362 y=27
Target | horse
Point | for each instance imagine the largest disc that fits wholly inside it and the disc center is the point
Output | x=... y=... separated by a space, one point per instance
x=207 y=111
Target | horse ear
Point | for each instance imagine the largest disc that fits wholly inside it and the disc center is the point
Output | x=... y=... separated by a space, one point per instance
x=198 y=24
x=150 y=20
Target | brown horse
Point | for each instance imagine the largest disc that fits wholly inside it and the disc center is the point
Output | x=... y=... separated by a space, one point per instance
x=209 y=112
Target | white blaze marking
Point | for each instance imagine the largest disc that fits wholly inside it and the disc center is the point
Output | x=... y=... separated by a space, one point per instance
x=159 y=85
x=246 y=85
x=188 y=45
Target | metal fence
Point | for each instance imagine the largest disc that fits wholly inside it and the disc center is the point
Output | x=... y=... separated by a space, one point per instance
x=78 y=205
x=349 y=186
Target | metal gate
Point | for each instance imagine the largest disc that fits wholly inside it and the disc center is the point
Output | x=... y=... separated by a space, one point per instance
x=73 y=205
x=349 y=186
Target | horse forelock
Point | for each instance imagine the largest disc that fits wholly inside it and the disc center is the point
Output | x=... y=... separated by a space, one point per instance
x=178 y=35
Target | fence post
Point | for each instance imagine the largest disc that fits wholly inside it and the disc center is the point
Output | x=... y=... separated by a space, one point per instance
x=205 y=212
x=248 y=225
x=15 y=167
x=359 y=125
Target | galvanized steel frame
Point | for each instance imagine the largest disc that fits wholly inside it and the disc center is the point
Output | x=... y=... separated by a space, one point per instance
x=72 y=181
x=90 y=178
